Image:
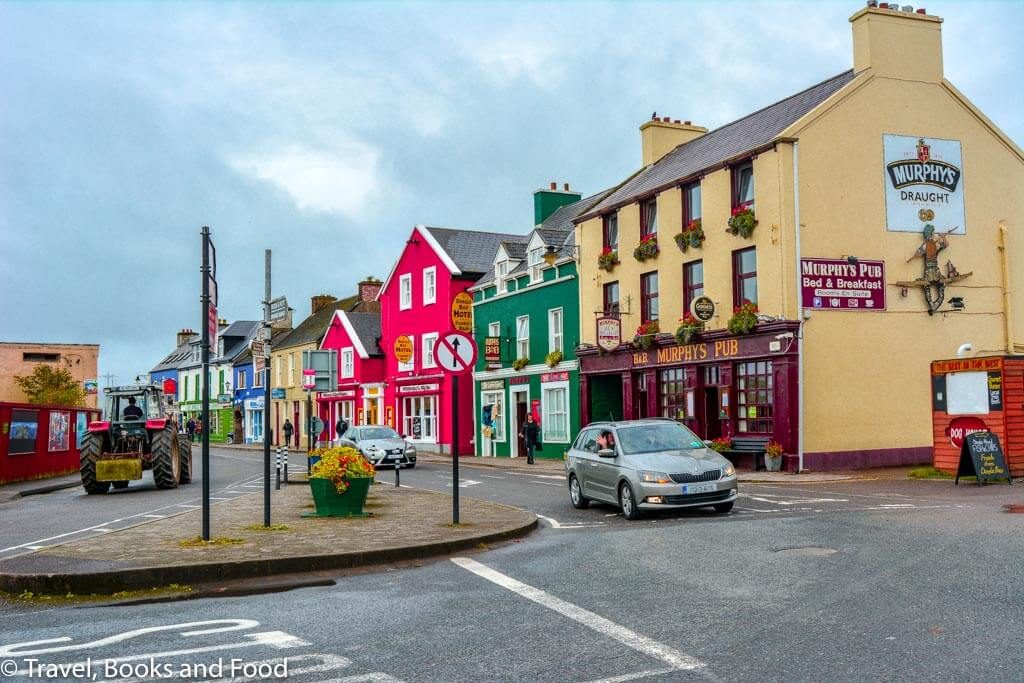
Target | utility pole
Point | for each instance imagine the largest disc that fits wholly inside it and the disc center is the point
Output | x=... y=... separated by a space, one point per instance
x=266 y=388
x=205 y=345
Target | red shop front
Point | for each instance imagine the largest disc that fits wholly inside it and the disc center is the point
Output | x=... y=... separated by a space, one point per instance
x=721 y=386
x=40 y=441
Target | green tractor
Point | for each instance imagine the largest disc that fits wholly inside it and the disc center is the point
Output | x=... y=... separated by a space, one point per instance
x=135 y=434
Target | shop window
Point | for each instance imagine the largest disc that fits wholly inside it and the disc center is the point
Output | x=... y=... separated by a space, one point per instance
x=523 y=336
x=744 y=277
x=674 y=400
x=419 y=417
x=495 y=402
x=691 y=203
x=347 y=363
x=743 y=186
x=555 y=420
x=611 y=298
x=555 y=335
x=754 y=402
x=649 y=297
x=429 y=285
x=405 y=292
x=693 y=282
x=610 y=231
x=648 y=217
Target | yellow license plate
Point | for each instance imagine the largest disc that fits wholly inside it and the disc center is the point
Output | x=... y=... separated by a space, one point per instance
x=119 y=470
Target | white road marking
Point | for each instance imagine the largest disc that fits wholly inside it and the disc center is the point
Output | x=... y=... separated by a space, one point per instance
x=102 y=530
x=36 y=547
x=633 y=676
x=154 y=516
x=186 y=505
x=547 y=483
x=224 y=626
x=465 y=483
x=648 y=646
x=540 y=476
x=553 y=522
x=768 y=498
x=491 y=476
x=215 y=498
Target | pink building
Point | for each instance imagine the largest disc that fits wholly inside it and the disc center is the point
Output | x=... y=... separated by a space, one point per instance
x=359 y=397
x=435 y=266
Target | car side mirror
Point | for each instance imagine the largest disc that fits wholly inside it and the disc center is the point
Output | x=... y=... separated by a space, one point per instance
x=606 y=453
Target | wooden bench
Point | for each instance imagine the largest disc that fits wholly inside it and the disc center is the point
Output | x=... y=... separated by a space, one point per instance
x=747 y=446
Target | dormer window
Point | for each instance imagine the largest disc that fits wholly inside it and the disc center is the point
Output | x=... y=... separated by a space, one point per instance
x=501 y=275
x=536 y=263
x=648 y=217
x=743 y=186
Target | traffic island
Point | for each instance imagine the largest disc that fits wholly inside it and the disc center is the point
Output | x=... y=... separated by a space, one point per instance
x=405 y=524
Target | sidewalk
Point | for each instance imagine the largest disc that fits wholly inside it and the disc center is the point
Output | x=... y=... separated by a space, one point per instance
x=406 y=524
x=32 y=487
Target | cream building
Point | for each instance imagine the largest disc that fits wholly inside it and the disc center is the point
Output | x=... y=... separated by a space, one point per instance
x=843 y=179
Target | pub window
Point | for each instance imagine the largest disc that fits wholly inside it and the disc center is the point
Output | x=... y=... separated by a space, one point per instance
x=649 y=296
x=610 y=230
x=754 y=397
x=744 y=277
x=648 y=217
x=691 y=203
x=673 y=399
x=611 y=298
x=743 y=186
x=693 y=282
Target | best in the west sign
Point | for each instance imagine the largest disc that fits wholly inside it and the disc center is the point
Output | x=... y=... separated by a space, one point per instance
x=842 y=285
x=923 y=184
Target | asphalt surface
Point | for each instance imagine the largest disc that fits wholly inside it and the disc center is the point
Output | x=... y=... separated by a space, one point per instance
x=70 y=514
x=850 y=581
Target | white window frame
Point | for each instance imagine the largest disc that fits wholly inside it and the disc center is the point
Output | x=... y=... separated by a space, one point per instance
x=493 y=329
x=522 y=342
x=501 y=275
x=277 y=371
x=411 y=365
x=257 y=379
x=556 y=340
x=535 y=260
x=405 y=292
x=429 y=285
x=546 y=414
x=429 y=344
x=291 y=369
x=496 y=398
x=241 y=379
x=428 y=424
x=348 y=363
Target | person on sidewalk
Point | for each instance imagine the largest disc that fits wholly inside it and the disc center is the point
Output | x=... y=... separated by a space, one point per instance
x=340 y=429
x=287 y=429
x=190 y=427
x=530 y=436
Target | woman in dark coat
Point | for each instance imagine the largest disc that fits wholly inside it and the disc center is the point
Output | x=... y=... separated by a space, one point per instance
x=530 y=436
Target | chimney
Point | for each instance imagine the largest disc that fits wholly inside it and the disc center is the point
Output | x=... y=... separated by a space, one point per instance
x=319 y=301
x=546 y=202
x=658 y=137
x=897 y=44
x=369 y=289
x=185 y=336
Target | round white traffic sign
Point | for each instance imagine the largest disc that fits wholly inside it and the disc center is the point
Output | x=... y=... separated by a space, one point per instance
x=455 y=352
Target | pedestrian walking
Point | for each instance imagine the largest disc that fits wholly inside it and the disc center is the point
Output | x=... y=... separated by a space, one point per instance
x=340 y=429
x=287 y=429
x=190 y=427
x=530 y=436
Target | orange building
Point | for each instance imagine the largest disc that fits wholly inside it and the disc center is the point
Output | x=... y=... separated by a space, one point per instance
x=21 y=358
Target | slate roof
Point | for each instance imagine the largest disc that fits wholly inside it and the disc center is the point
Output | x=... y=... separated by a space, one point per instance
x=175 y=358
x=312 y=329
x=367 y=328
x=721 y=145
x=245 y=357
x=471 y=250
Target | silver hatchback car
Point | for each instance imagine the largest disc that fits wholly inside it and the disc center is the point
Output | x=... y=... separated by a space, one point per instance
x=652 y=464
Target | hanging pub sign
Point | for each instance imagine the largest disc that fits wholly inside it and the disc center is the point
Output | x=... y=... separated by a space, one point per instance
x=609 y=333
x=923 y=184
x=702 y=308
x=492 y=352
x=981 y=456
x=840 y=285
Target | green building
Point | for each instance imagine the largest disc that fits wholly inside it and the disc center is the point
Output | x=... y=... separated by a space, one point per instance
x=526 y=323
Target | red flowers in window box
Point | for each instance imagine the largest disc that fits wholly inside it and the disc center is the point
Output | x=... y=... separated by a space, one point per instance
x=648 y=247
x=646 y=334
x=691 y=236
x=689 y=328
x=608 y=259
x=742 y=222
x=744 y=319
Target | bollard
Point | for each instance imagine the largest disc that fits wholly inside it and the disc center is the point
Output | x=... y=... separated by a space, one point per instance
x=286 y=466
x=398 y=479
x=277 y=485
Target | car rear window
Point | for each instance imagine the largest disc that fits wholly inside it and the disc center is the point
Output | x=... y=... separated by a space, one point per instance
x=651 y=438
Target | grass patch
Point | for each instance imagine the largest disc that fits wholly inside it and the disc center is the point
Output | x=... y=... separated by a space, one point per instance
x=28 y=597
x=930 y=472
x=198 y=542
x=272 y=527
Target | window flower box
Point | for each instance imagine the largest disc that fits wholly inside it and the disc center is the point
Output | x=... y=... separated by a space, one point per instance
x=689 y=328
x=646 y=334
x=742 y=222
x=608 y=259
x=744 y=319
x=691 y=236
x=647 y=249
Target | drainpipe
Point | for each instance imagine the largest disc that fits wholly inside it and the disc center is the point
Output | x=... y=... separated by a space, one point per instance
x=799 y=312
x=1007 y=309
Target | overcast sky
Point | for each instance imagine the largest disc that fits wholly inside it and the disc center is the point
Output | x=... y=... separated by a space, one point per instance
x=325 y=131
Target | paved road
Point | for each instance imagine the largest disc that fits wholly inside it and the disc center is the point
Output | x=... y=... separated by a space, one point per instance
x=823 y=582
x=69 y=514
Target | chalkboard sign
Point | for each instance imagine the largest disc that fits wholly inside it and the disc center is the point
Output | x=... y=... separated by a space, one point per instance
x=981 y=456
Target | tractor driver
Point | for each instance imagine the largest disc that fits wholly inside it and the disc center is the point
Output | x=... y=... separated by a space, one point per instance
x=132 y=412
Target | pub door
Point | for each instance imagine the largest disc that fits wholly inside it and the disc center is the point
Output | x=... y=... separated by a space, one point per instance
x=712 y=423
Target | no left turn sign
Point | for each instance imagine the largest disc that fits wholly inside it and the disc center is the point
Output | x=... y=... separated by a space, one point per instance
x=455 y=353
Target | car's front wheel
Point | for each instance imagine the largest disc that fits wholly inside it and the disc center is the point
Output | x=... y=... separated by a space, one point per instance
x=576 y=494
x=627 y=501
x=723 y=508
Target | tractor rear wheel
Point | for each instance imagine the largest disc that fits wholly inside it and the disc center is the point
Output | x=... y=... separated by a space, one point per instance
x=166 y=458
x=185 y=476
x=92 y=447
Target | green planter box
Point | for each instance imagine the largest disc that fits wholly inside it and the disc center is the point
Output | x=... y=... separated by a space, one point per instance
x=330 y=503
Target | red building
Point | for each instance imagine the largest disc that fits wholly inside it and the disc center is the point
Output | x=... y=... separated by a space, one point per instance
x=360 y=393
x=40 y=441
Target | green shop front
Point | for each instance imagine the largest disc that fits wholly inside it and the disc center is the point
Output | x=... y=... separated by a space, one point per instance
x=222 y=419
x=503 y=404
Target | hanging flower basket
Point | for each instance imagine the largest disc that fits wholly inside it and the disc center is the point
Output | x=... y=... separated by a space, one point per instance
x=608 y=259
x=744 y=319
x=340 y=481
x=691 y=236
x=646 y=334
x=689 y=328
x=553 y=359
x=647 y=249
x=520 y=363
x=742 y=222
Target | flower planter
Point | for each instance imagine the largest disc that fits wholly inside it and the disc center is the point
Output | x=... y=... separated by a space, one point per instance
x=330 y=503
x=772 y=464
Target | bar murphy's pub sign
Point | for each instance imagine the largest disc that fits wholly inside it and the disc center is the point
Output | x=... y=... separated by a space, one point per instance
x=923 y=184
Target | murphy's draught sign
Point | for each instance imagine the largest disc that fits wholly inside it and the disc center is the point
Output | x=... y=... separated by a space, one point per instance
x=923 y=184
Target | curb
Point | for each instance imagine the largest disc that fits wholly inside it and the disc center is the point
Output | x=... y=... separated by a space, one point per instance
x=107 y=582
x=49 y=488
